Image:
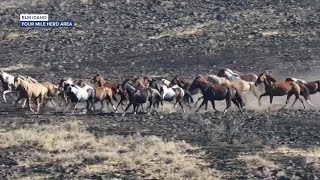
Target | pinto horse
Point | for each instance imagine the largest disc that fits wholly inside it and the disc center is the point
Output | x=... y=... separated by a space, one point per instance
x=7 y=81
x=217 y=92
x=279 y=88
x=79 y=94
x=185 y=86
x=171 y=94
x=235 y=75
x=313 y=86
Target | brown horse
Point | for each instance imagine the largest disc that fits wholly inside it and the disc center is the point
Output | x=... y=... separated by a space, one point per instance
x=234 y=75
x=186 y=87
x=113 y=86
x=278 y=88
x=105 y=93
x=216 y=92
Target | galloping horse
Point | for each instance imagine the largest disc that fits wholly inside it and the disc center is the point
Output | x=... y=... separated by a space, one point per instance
x=114 y=87
x=313 y=86
x=30 y=91
x=216 y=92
x=155 y=94
x=241 y=85
x=171 y=94
x=234 y=75
x=79 y=94
x=278 y=88
x=136 y=96
x=7 y=81
x=185 y=86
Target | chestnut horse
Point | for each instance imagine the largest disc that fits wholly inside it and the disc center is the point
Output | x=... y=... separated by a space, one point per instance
x=114 y=87
x=235 y=75
x=101 y=94
x=216 y=92
x=279 y=88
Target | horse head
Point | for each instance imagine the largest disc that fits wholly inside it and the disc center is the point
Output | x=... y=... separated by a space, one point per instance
x=176 y=81
x=96 y=78
x=197 y=83
x=263 y=77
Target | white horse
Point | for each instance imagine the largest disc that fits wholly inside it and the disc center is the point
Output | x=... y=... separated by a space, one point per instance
x=7 y=81
x=79 y=94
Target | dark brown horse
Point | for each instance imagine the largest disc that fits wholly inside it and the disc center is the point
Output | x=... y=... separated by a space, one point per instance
x=279 y=88
x=113 y=86
x=216 y=92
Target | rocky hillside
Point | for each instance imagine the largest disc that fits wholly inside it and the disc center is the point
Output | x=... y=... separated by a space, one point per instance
x=172 y=37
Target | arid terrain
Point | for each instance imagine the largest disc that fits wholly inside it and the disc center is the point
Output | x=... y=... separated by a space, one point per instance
x=127 y=38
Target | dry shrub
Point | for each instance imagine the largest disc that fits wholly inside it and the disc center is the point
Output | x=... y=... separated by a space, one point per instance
x=70 y=143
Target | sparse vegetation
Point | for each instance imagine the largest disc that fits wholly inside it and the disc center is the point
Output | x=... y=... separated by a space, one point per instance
x=69 y=144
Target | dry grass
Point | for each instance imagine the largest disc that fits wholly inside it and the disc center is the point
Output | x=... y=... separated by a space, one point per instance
x=265 y=159
x=70 y=143
x=255 y=161
x=311 y=155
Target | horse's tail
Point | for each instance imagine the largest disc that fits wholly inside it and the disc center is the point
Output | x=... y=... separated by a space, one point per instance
x=114 y=96
x=238 y=96
x=304 y=91
x=188 y=96
x=296 y=87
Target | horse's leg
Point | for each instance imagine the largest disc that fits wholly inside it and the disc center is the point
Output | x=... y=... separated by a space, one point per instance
x=19 y=98
x=102 y=105
x=198 y=100
x=237 y=104
x=127 y=108
x=75 y=107
x=259 y=101
x=213 y=105
x=271 y=99
x=39 y=101
x=205 y=101
x=182 y=107
x=24 y=103
x=287 y=101
x=93 y=104
x=228 y=103
x=114 y=108
x=4 y=94
x=135 y=108
x=29 y=104
x=54 y=105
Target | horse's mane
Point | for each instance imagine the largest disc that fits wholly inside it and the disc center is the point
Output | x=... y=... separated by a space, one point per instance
x=203 y=80
x=272 y=79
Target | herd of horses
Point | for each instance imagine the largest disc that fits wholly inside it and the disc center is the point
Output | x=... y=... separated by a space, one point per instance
x=227 y=84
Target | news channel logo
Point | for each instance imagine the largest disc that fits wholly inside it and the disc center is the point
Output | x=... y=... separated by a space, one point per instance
x=42 y=21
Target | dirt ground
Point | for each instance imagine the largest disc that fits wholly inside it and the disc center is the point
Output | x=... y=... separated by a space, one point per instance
x=124 y=39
